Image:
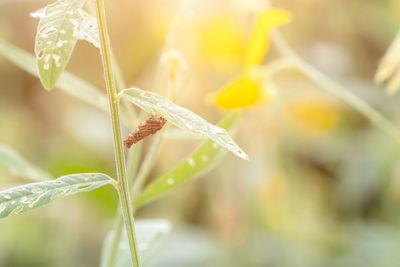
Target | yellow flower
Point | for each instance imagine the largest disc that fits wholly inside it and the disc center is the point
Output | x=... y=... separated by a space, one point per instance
x=247 y=90
x=221 y=41
x=315 y=113
x=240 y=93
x=259 y=40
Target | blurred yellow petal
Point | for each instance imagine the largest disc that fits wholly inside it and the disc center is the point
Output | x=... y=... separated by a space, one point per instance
x=240 y=93
x=316 y=114
x=258 y=43
x=220 y=43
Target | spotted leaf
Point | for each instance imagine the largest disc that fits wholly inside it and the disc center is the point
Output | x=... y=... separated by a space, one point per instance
x=56 y=36
x=182 y=118
x=202 y=160
x=23 y=198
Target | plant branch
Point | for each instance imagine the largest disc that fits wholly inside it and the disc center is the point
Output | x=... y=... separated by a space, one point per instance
x=123 y=191
x=335 y=88
x=148 y=162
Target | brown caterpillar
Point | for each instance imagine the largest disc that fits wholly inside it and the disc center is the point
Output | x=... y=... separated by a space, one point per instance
x=146 y=128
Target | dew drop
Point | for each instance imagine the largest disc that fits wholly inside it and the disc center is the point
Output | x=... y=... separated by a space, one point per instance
x=170 y=181
x=59 y=43
x=25 y=200
x=191 y=161
x=204 y=158
x=47 y=58
x=36 y=190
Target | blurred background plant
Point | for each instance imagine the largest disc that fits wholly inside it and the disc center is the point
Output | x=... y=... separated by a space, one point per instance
x=322 y=187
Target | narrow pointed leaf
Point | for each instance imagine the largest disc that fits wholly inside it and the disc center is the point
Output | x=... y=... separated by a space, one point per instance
x=68 y=82
x=56 y=37
x=149 y=234
x=182 y=118
x=15 y=164
x=23 y=198
x=201 y=161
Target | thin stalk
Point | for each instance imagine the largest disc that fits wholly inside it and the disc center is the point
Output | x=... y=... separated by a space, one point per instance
x=127 y=110
x=133 y=161
x=133 y=164
x=119 y=224
x=274 y=67
x=123 y=191
x=335 y=88
x=148 y=162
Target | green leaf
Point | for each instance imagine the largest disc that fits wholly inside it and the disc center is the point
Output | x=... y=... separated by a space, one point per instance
x=56 y=37
x=149 y=234
x=182 y=118
x=202 y=160
x=89 y=31
x=68 y=82
x=23 y=198
x=181 y=134
x=12 y=162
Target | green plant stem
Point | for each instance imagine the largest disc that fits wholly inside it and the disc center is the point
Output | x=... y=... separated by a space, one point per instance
x=274 y=67
x=150 y=157
x=145 y=168
x=124 y=193
x=335 y=88
x=133 y=163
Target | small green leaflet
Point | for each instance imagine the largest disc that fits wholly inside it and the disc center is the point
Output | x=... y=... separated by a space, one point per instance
x=68 y=82
x=88 y=30
x=182 y=118
x=149 y=234
x=57 y=33
x=202 y=160
x=23 y=198
x=12 y=162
